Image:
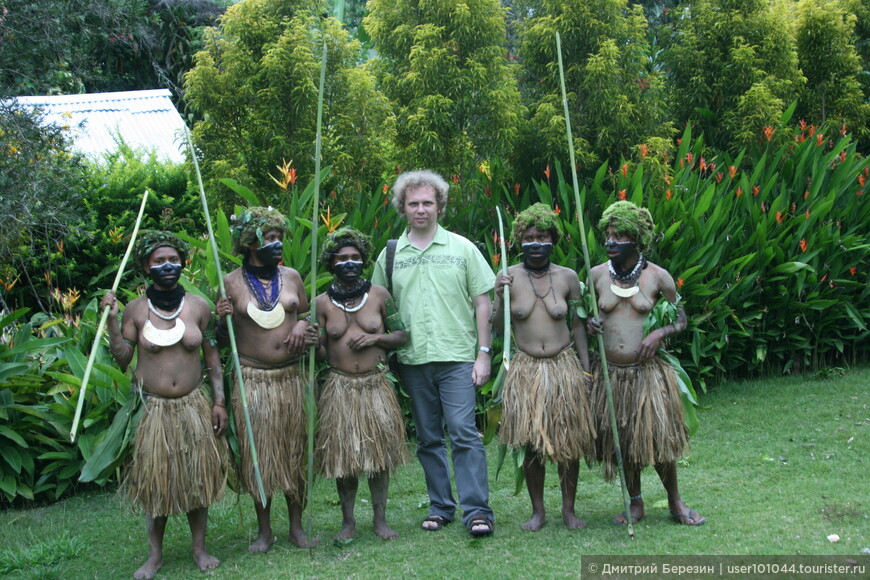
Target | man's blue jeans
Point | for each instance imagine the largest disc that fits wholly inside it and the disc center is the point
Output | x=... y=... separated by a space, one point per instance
x=442 y=392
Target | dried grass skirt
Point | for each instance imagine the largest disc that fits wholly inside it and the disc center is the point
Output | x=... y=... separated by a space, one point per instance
x=276 y=402
x=360 y=428
x=178 y=463
x=649 y=415
x=545 y=405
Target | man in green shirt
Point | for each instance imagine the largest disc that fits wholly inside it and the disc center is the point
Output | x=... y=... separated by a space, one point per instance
x=441 y=283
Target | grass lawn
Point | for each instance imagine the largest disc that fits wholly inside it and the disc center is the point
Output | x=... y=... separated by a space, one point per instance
x=776 y=467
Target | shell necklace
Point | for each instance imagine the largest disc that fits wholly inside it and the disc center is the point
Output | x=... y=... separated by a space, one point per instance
x=164 y=336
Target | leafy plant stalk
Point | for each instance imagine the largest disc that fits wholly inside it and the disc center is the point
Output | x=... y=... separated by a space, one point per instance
x=606 y=374
x=240 y=382
x=103 y=319
x=309 y=393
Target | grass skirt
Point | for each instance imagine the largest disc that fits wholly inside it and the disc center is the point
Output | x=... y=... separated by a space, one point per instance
x=276 y=402
x=546 y=407
x=178 y=463
x=649 y=416
x=360 y=427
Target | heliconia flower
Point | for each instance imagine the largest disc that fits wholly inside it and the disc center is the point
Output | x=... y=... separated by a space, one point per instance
x=812 y=130
x=853 y=270
x=732 y=171
x=739 y=191
x=768 y=132
x=807 y=194
x=719 y=177
x=386 y=189
x=843 y=130
x=669 y=179
x=668 y=195
x=802 y=124
x=516 y=188
x=292 y=176
x=10 y=285
x=496 y=258
x=862 y=179
x=557 y=210
x=807 y=214
x=702 y=164
x=820 y=138
x=842 y=156
x=680 y=282
x=866 y=171
x=621 y=195
x=803 y=245
x=800 y=138
x=644 y=150
x=779 y=217
x=625 y=169
x=755 y=190
x=690 y=158
x=547 y=171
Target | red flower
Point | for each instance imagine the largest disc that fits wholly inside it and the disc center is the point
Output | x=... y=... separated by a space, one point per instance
x=644 y=150
x=820 y=139
x=625 y=169
x=779 y=217
x=732 y=171
x=807 y=194
x=812 y=130
x=803 y=125
x=455 y=178
x=755 y=190
x=386 y=189
x=495 y=259
x=768 y=132
x=547 y=171
x=862 y=179
x=291 y=176
x=669 y=179
x=668 y=195
x=843 y=130
x=842 y=156
x=719 y=177
x=803 y=245
x=680 y=282
x=516 y=188
x=702 y=164
x=739 y=191
x=621 y=195
x=557 y=210
x=807 y=214
x=854 y=269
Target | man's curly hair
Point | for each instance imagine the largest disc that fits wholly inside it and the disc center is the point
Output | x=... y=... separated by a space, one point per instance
x=150 y=240
x=342 y=238
x=248 y=229
x=539 y=216
x=631 y=220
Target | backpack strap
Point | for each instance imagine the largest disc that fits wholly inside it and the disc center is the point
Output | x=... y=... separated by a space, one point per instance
x=391 y=258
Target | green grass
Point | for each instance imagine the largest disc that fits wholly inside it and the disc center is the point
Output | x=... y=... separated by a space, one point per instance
x=776 y=467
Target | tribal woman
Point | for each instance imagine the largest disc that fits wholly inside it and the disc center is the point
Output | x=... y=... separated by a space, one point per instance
x=265 y=299
x=179 y=456
x=646 y=397
x=546 y=391
x=360 y=429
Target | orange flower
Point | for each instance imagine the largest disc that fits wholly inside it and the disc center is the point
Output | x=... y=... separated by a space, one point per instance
x=690 y=158
x=800 y=138
x=862 y=180
x=679 y=141
x=719 y=177
x=669 y=179
x=803 y=245
x=516 y=188
x=621 y=195
x=739 y=191
x=779 y=217
x=843 y=130
x=812 y=130
x=854 y=269
x=455 y=178
x=807 y=194
x=842 y=156
x=496 y=258
x=803 y=125
x=820 y=139
x=680 y=282
x=386 y=188
x=557 y=210
x=768 y=132
x=291 y=175
x=625 y=169
x=732 y=171
x=547 y=171
x=702 y=164
x=668 y=195
x=807 y=214
x=755 y=190
x=644 y=150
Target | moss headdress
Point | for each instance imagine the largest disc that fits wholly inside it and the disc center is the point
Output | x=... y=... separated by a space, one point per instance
x=539 y=216
x=343 y=238
x=249 y=228
x=631 y=220
x=150 y=240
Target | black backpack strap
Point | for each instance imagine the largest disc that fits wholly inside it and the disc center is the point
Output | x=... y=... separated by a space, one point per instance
x=391 y=258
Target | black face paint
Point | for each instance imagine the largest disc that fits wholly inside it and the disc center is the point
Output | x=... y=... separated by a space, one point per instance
x=537 y=251
x=624 y=250
x=271 y=254
x=166 y=274
x=347 y=271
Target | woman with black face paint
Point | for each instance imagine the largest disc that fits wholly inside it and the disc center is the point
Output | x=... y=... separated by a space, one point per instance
x=546 y=391
x=646 y=396
x=360 y=429
x=265 y=300
x=179 y=456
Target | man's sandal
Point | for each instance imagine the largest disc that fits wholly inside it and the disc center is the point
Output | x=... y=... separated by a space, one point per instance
x=480 y=527
x=435 y=523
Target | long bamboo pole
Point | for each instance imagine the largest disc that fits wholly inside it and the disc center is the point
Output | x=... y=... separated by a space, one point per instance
x=102 y=325
x=604 y=370
x=506 y=307
x=240 y=382
x=312 y=307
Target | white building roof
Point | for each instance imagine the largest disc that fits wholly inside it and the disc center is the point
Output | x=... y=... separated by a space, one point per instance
x=143 y=119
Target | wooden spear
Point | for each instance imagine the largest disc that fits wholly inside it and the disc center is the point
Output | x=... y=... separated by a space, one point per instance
x=608 y=387
x=312 y=307
x=240 y=382
x=506 y=307
x=102 y=325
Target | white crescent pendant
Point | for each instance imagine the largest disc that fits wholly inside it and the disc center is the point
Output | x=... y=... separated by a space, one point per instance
x=267 y=319
x=163 y=337
x=624 y=292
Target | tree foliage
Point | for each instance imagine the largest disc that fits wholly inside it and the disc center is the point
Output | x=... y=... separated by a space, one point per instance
x=724 y=57
x=442 y=64
x=614 y=94
x=256 y=86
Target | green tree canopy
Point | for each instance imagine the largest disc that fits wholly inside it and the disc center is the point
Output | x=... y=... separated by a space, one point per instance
x=255 y=88
x=443 y=66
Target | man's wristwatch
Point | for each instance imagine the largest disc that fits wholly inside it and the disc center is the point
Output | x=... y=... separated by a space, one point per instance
x=486 y=349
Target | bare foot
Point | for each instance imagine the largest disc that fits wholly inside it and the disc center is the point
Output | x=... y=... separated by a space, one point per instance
x=347 y=532
x=300 y=540
x=637 y=513
x=571 y=520
x=385 y=532
x=206 y=561
x=262 y=545
x=536 y=523
x=149 y=569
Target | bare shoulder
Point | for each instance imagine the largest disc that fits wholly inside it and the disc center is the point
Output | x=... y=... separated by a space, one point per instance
x=515 y=269
x=598 y=271
x=234 y=278
x=136 y=307
x=198 y=302
x=379 y=292
x=290 y=274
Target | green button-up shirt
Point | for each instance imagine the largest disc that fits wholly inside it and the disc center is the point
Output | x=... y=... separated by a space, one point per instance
x=433 y=289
